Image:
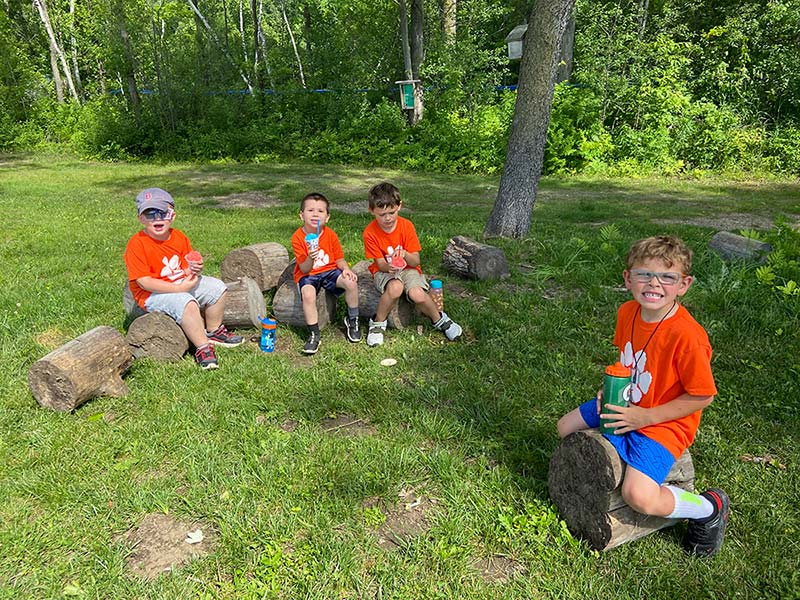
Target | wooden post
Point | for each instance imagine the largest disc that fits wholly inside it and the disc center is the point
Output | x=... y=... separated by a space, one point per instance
x=402 y=315
x=471 y=260
x=732 y=247
x=158 y=336
x=244 y=304
x=89 y=366
x=262 y=262
x=584 y=480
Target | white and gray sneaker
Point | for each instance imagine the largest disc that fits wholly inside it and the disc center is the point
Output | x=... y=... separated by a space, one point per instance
x=450 y=328
x=375 y=332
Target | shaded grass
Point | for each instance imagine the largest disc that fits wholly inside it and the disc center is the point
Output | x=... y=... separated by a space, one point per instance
x=470 y=424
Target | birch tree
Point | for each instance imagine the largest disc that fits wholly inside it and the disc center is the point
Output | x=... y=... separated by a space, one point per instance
x=41 y=7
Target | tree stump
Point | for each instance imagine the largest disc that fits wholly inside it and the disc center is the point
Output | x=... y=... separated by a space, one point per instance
x=584 y=481
x=158 y=336
x=245 y=303
x=471 y=260
x=288 y=307
x=91 y=365
x=402 y=315
x=262 y=262
x=737 y=247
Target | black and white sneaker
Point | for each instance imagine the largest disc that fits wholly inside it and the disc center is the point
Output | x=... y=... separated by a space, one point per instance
x=312 y=343
x=704 y=536
x=351 y=329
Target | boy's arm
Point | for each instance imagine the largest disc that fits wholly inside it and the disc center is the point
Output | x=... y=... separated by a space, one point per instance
x=630 y=418
x=345 y=269
x=159 y=286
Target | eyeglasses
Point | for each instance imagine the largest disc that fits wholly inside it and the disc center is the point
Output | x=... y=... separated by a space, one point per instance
x=668 y=278
x=155 y=214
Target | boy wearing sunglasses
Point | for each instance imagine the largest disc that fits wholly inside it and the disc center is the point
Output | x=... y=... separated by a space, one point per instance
x=669 y=356
x=163 y=280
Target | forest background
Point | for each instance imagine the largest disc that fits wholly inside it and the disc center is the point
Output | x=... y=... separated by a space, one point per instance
x=652 y=86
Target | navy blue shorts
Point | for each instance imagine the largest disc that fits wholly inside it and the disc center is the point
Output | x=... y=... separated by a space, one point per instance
x=634 y=448
x=326 y=281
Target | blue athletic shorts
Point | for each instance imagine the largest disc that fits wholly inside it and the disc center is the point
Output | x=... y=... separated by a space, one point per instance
x=634 y=448
x=326 y=281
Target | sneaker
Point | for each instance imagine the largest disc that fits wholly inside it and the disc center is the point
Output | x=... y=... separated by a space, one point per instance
x=375 y=332
x=312 y=343
x=222 y=337
x=450 y=328
x=351 y=328
x=206 y=358
x=704 y=536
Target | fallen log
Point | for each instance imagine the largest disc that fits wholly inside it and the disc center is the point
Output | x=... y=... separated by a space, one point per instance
x=402 y=315
x=89 y=366
x=287 y=306
x=132 y=310
x=157 y=336
x=244 y=304
x=472 y=260
x=584 y=479
x=262 y=262
x=737 y=247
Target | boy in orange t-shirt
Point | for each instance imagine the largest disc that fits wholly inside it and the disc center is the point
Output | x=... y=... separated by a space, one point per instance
x=322 y=268
x=162 y=278
x=392 y=243
x=669 y=356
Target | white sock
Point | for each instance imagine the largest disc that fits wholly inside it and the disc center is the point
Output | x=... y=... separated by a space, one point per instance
x=689 y=505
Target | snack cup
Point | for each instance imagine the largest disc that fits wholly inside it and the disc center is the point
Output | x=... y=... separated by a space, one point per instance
x=399 y=263
x=312 y=242
x=195 y=260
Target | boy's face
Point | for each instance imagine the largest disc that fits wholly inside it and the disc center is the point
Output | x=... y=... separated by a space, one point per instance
x=314 y=212
x=386 y=217
x=655 y=286
x=157 y=223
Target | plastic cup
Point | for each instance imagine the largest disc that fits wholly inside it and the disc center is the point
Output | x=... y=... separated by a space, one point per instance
x=399 y=263
x=195 y=261
x=312 y=242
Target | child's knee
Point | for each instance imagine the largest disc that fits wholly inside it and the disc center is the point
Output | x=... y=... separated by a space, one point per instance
x=394 y=288
x=640 y=499
x=570 y=423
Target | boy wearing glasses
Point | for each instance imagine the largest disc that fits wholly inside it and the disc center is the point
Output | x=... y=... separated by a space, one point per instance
x=669 y=356
x=163 y=280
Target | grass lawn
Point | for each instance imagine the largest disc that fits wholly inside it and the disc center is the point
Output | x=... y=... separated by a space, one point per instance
x=459 y=432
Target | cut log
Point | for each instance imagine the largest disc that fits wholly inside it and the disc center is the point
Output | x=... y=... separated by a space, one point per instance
x=132 y=310
x=157 y=336
x=89 y=366
x=472 y=260
x=584 y=480
x=402 y=315
x=244 y=304
x=288 y=307
x=262 y=262
x=737 y=247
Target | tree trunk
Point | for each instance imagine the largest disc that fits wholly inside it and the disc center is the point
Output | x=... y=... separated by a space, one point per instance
x=567 y=50
x=244 y=304
x=242 y=36
x=41 y=7
x=157 y=336
x=76 y=74
x=448 y=10
x=129 y=60
x=59 y=85
x=403 y=313
x=511 y=215
x=254 y=11
x=294 y=44
x=417 y=56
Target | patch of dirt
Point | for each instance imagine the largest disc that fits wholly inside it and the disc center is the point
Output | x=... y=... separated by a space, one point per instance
x=459 y=291
x=497 y=568
x=558 y=292
x=289 y=425
x=359 y=207
x=511 y=288
x=733 y=222
x=252 y=199
x=52 y=338
x=405 y=521
x=159 y=544
x=348 y=425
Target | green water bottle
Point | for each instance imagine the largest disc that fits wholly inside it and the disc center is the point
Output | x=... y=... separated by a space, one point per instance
x=616 y=391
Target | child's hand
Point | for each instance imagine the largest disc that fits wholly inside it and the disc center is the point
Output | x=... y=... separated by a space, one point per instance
x=348 y=274
x=599 y=397
x=623 y=419
x=188 y=283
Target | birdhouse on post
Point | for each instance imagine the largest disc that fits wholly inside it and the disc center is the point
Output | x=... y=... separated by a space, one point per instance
x=514 y=41
x=407 y=93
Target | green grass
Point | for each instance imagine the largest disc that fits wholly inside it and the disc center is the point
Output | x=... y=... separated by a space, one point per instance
x=471 y=425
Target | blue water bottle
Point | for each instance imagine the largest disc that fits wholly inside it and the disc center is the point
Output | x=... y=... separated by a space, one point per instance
x=268 y=327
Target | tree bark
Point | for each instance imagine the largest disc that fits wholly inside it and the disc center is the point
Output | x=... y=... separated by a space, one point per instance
x=254 y=11
x=41 y=7
x=567 y=51
x=157 y=336
x=262 y=262
x=417 y=56
x=76 y=74
x=511 y=215
x=294 y=44
x=472 y=260
x=245 y=303
x=449 y=11
x=130 y=60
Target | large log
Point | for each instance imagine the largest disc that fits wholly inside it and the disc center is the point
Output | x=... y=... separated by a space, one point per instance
x=157 y=336
x=472 y=260
x=402 y=315
x=132 y=310
x=737 y=247
x=244 y=304
x=288 y=307
x=584 y=480
x=89 y=366
x=262 y=262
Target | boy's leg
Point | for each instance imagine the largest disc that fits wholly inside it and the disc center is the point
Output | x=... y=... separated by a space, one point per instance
x=193 y=326
x=571 y=422
x=350 y=288
x=308 y=295
x=390 y=295
x=212 y=295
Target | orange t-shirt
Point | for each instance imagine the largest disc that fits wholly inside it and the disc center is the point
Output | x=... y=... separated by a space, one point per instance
x=677 y=360
x=377 y=242
x=146 y=257
x=330 y=250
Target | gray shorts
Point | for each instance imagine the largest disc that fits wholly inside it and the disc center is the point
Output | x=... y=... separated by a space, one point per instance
x=207 y=292
x=411 y=278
